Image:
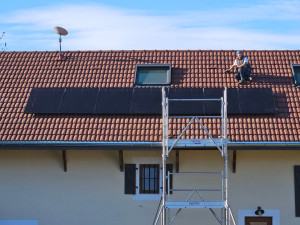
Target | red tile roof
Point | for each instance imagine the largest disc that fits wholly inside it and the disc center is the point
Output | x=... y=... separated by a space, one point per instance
x=22 y=71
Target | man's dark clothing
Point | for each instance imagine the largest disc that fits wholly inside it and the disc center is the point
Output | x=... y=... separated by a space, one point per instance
x=243 y=72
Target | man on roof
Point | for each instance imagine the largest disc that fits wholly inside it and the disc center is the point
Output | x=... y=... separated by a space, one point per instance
x=242 y=68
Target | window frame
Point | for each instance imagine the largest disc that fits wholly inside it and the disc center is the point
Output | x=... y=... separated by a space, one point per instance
x=147 y=196
x=142 y=177
x=293 y=67
x=132 y=180
x=138 y=67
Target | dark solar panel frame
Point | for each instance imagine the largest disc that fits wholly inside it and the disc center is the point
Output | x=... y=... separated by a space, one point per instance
x=114 y=101
x=186 y=107
x=212 y=107
x=146 y=101
x=79 y=101
x=256 y=101
x=31 y=101
x=268 y=105
x=45 y=100
x=233 y=106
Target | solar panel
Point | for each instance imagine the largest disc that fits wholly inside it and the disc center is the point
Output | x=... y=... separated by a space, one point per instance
x=269 y=106
x=233 y=106
x=247 y=103
x=79 y=101
x=184 y=107
x=127 y=101
x=31 y=100
x=146 y=101
x=212 y=107
x=256 y=101
x=45 y=100
x=114 y=101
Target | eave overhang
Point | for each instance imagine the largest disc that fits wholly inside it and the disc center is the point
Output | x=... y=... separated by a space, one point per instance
x=72 y=145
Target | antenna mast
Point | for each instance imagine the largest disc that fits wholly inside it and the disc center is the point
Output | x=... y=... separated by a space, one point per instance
x=2 y=44
x=60 y=31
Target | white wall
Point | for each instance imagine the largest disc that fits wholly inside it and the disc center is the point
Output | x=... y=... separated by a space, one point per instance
x=34 y=187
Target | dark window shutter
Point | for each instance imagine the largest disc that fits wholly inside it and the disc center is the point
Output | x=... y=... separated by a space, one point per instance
x=297 y=189
x=169 y=168
x=130 y=178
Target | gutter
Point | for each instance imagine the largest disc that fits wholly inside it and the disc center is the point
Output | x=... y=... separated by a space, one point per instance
x=77 y=145
x=263 y=145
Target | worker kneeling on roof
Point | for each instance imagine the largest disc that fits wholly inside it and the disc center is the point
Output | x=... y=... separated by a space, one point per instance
x=242 y=68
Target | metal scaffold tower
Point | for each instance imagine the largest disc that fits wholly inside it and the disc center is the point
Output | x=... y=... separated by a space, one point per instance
x=163 y=215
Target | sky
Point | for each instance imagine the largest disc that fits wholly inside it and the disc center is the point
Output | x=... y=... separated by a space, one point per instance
x=155 y=24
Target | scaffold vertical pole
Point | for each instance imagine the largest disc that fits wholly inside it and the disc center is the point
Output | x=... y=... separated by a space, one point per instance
x=165 y=146
x=226 y=215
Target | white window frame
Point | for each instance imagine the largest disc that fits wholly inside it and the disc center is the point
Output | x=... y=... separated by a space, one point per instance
x=275 y=214
x=139 y=196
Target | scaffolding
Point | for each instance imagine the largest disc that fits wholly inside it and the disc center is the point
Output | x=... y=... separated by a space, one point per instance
x=166 y=203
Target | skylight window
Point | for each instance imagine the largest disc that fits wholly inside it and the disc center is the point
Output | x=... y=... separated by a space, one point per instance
x=296 y=73
x=153 y=74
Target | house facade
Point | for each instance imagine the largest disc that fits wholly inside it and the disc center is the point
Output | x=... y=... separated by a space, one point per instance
x=61 y=163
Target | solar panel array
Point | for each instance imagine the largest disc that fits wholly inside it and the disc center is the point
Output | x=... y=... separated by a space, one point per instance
x=134 y=101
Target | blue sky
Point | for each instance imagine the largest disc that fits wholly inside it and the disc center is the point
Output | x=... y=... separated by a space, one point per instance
x=117 y=24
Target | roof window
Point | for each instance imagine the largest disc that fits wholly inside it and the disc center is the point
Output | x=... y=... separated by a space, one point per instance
x=152 y=74
x=296 y=73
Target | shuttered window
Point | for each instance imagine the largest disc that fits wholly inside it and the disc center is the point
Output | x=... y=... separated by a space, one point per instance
x=149 y=178
x=297 y=189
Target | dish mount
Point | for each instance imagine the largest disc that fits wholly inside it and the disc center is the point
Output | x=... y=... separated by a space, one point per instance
x=61 y=32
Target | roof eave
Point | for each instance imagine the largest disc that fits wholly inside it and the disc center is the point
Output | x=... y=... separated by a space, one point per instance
x=71 y=145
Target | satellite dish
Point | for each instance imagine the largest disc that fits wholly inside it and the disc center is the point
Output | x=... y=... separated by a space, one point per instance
x=60 y=31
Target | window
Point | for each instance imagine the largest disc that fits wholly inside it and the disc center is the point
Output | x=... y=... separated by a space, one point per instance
x=152 y=74
x=144 y=181
x=149 y=178
x=296 y=73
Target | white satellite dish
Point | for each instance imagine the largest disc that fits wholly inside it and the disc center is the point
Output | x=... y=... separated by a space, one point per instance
x=60 y=31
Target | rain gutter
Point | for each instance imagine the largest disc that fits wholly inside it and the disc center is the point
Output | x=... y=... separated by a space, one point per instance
x=77 y=145
x=263 y=145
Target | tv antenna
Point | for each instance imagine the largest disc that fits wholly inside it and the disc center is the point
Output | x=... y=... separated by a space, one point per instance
x=61 y=32
x=1 y=38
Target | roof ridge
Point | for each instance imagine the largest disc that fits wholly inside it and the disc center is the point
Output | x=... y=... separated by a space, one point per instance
x=160 y=50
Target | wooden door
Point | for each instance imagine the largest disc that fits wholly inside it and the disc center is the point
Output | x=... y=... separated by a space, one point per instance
x=258 y=220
